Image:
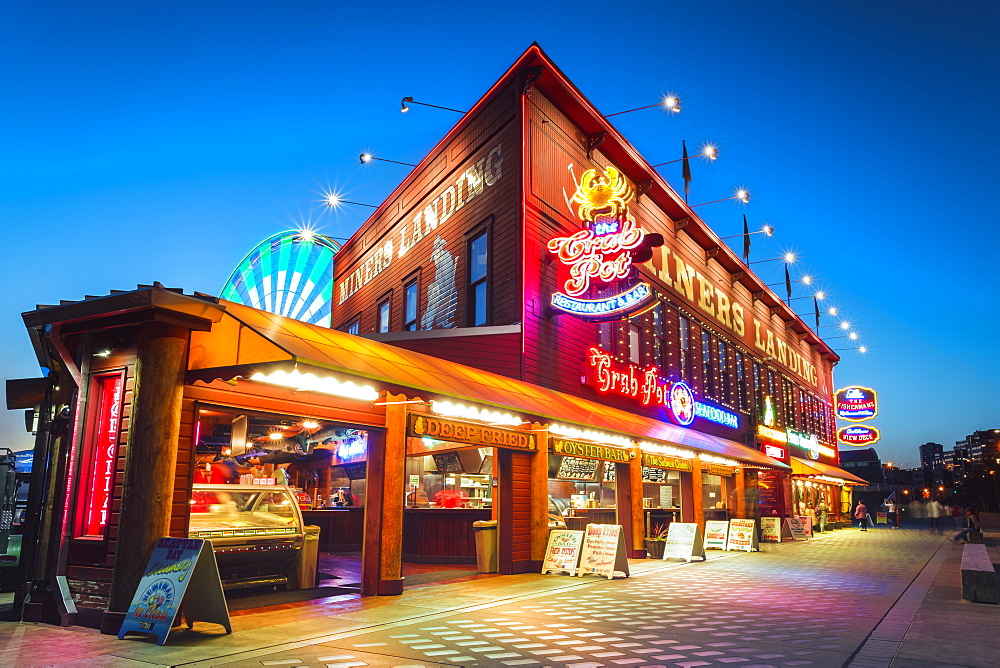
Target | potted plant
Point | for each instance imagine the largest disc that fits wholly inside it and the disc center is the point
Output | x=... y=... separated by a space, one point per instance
x=656 y=541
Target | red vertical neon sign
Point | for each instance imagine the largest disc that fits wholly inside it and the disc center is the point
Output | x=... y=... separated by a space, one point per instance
x=105 y=452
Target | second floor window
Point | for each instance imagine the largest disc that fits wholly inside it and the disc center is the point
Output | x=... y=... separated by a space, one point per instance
x=477 y=311
x=411 y=296
x=684 y=337
x=384 y=313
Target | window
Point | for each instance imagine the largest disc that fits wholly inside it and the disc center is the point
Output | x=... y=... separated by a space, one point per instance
x=384 y=313
x=707 y=371
x=685 y=346
x=477 y=293
x=411 y=295
x=741 y=387
x=352 y=327
x=634 y=343
x=723 y=373
x=604 y=336
x=659 y=339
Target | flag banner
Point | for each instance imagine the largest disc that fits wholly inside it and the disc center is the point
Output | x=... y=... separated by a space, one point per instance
x=746 y=240
x=686 y=172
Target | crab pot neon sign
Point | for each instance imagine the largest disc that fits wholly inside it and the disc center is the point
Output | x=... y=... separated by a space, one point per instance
x=644 y=384
x=600 y=258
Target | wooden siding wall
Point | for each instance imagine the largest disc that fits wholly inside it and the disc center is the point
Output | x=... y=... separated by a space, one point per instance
x=496 y=207
x=556 y=344
x=497 y=353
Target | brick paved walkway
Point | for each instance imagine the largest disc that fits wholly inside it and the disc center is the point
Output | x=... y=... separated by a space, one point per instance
x=847 y=599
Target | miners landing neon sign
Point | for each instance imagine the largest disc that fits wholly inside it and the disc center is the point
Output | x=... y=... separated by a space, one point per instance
x=645 y=385
x=601 y=256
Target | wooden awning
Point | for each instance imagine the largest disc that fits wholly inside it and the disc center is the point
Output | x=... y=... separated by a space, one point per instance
x=807 y=467
x=249 y=340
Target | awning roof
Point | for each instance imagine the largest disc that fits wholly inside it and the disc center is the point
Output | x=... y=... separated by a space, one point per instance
x=806 y=467
x=248 y=339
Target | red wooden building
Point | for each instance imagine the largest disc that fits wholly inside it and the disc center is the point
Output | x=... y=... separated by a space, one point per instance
x=533 y=325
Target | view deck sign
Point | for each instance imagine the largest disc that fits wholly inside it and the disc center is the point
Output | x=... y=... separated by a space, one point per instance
x=182 y=574
x=856 y=403
x=858 y=435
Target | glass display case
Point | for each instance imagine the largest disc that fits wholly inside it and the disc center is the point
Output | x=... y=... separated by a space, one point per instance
x=256 y=531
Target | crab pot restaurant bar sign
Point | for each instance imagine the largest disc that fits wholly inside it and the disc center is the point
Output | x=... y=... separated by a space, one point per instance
x=856 y=404
x=599 y=281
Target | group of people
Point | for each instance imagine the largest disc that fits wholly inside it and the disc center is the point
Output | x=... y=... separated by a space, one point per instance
x=933 y=510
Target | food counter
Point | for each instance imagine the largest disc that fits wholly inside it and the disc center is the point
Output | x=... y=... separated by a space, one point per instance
x=341 y=529
x=441 y=535
x=256 y=531
x=581 y=517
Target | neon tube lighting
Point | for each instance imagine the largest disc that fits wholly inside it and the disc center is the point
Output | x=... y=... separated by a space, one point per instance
x=310 y=382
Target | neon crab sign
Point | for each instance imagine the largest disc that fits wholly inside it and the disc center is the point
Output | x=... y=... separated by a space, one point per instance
x=600 y=258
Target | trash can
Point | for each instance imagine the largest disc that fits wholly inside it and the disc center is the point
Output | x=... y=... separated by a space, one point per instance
x=486 y=545
x=303 y=575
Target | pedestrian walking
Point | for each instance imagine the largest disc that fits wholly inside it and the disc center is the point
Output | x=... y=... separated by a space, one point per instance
x=821 y=512
x=934 y=511
x=891 y=512
x=861 y=514
x=972 y=524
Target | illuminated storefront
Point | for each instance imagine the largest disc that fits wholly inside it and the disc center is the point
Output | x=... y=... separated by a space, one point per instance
x=533 y=328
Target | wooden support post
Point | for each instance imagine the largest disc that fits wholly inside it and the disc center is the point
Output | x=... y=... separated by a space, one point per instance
x=697 y=494
x=540 y=494
x=637 y=547
x=382 y=549
x=150 y=458
x=741 y=493
x=625 y=505
x=687 y=498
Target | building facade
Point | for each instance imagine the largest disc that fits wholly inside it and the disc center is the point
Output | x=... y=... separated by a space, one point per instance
x=533 y=326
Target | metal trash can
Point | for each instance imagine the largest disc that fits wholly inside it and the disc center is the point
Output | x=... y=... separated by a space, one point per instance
x=305 y=566
x=486 y=545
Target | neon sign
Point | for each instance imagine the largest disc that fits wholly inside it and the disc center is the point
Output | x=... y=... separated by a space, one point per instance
x=858 y=435
x=608 y=308
x=856 y=404
x=774 y=451
x=599 y=258
x=102 y=472
x=808 y=442
x=609 y=377
x=644 y=384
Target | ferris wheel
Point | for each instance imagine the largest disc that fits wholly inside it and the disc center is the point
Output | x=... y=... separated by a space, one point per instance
x=290 y=274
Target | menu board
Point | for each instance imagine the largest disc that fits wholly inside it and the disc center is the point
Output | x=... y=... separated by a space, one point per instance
x=742 y=535
x=603 y=551
x=770 y=529
x=181 y=573
x=448 y=462
x=667 y=496
x=609 y=472
x=563 y=551
x=769 y=493
x=716 y=532
x=577 y=468
x=357 y=471
x=650 y=474
x=792 y=528
x=881 y=518
x=807 y=525
x=684 y=541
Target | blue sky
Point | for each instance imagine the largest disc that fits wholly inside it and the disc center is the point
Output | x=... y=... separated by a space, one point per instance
x=161 y=142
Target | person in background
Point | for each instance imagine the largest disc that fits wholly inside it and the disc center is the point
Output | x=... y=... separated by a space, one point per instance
x=861 y=514
x=934 y=511
x=821 y=512
x=891 y=513
x=972 y=522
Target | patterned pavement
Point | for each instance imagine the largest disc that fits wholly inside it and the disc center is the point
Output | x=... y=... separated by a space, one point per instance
x=803 y=604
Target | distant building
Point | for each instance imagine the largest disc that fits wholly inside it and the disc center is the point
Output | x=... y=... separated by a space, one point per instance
x=929 y=453
x=980 y=445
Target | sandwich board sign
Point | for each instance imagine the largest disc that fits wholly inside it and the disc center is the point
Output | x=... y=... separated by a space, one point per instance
x=181 y=578
x=684 y=541
x=716 y=532
x=742 y=535
x=770 y=529
x=794 y=529
x=563 y=551
x=603 y=551
x=807 y=525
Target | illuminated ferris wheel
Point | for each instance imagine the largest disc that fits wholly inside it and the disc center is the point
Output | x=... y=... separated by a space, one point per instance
x=290 y=274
